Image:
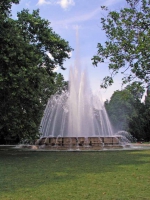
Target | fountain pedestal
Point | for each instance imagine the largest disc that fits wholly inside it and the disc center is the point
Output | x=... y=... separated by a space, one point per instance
x=80 y=143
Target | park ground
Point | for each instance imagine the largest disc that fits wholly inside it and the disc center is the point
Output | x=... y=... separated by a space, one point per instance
x=112 y=175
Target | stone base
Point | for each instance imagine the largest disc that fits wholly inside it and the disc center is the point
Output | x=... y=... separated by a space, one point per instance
x=79 y=143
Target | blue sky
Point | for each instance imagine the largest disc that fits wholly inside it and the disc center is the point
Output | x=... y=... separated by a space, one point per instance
x=65 y=16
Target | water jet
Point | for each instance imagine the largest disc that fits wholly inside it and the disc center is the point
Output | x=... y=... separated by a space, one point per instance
x=77 y=118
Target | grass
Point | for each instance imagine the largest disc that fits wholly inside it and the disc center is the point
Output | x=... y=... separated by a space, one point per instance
x=112 y=175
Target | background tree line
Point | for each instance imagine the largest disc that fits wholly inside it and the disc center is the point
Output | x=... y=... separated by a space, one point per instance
x=27 y=77
x=127 y=112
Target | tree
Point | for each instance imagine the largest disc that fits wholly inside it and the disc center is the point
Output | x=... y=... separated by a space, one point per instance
x=124 y=105
x=139 y=125
x=29 y=52
x=136 y=90
x=128 y=44
x=5 y=7
x=59 y=84
x=127 y=112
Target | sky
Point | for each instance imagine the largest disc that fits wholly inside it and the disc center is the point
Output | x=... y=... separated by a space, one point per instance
x=66 y=16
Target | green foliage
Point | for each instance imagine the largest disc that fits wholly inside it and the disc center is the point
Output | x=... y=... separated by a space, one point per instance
x=5 y=6
x=139 y=126
x=120 y=108
x=128 y=44
x=26 y=73
x=136 y=90
x=59 y=83
x=128 y=113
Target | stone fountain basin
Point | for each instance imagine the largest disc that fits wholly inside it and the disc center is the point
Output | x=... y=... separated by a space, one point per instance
x=78 y=143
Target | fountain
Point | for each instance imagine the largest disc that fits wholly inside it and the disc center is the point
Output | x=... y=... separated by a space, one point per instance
x=77 y=112
x=76 y=118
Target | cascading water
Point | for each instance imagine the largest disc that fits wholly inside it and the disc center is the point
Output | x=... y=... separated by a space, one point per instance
x=77 y=112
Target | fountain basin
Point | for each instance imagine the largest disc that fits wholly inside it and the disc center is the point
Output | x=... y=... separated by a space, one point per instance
x=79 y=143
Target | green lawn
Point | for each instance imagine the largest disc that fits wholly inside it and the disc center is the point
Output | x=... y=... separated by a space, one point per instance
x=118 y=175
